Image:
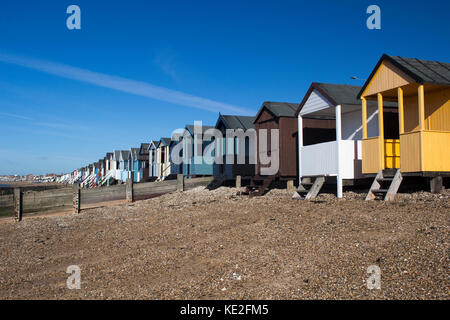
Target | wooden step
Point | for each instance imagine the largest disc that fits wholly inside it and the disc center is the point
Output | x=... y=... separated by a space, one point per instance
x=385 y=179
x=316 y=187
x=389 y=180
x=380 y=191
x=312 y=191
x=389 y=173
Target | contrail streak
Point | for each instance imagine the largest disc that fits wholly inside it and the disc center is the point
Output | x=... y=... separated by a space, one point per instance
x=123 y=84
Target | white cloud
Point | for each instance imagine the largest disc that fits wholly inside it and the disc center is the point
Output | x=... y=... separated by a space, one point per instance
x=52 y=125
x=123 y=84
x=17 y=116
x=164 y=61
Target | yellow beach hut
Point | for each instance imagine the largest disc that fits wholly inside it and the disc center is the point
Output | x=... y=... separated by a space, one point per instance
x=422 y=146
x=163 y=158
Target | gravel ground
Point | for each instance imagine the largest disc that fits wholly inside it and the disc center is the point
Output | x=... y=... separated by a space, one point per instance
x=204 y=244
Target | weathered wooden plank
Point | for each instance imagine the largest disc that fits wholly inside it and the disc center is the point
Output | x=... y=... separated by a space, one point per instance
x=62 y=199
x=395 y=185
x=197 y=182
x=6 y=200
x=180 y=182
x=52 y=208
x=158 y=190
x=375 y=185
x=315 y=189
x=76 y=198
x=152 y=185
x=129 y=190
x=102 y=197
x=238 y=181
x=7 y=211
x=36 y=201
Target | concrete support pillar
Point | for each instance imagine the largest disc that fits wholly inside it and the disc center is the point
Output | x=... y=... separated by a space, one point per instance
x=76 y=197
x=129 y=190
x=180 y=182
x=238 y=181
x=436 y=184
x=18 y=203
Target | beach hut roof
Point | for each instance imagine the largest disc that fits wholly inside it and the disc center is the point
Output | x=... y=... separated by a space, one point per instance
x=339 y=94
x=153 y=144
x=237 y=122
x=422 y=71
x=190 y=128
x=165 y=141
x=278 y=109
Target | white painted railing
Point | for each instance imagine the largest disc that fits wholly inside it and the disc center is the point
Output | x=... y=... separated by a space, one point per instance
x=321 y=159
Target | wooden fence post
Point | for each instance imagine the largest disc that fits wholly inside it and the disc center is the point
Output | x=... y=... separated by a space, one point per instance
x=180 y=182
x=238 y=181
x=76 y=197
x=130 y=193
x=18 y=203
x=290 y=186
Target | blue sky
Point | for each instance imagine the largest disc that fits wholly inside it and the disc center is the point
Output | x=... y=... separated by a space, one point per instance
x=137 y=70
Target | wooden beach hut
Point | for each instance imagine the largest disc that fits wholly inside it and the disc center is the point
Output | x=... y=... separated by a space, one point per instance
x=108 y=172
x=278 y=118
x=162 y=155
x=124 y=165
x=175 y=166
x=134 y=164
x=422 y=146
x=101 y=171
x=115 y=165
x=194 y=161
x=152 y=160
x=228 y=171
x=143 y=174
x=330 y=133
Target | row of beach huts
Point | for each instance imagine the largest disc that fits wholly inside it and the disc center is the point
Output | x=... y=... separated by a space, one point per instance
x=396 y=125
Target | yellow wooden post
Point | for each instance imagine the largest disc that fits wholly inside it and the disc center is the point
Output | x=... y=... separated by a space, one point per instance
x=421 y=104
x=364 y=117
x=381 y=130
x=421 y=95
x=401 y=115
